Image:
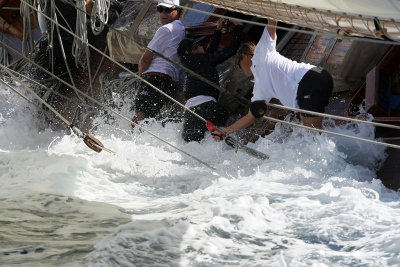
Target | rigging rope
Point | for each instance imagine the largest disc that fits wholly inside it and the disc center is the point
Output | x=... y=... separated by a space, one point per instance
x=242 y=101
x=79 y=49
x=16 y=91
x=26 y=13
x=84 y=54
x=334 y=116
x=99 y=16
x=333 y=133
x=4 y=56
x=88 y=139
x=47 y=88
x=110 y=109
x=172 y=99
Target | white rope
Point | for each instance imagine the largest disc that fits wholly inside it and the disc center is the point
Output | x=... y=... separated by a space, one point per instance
x=333 y=133
x=80 y=49
x=376 y=124
x=4 y=56
x=99 y=16
x=28 y=43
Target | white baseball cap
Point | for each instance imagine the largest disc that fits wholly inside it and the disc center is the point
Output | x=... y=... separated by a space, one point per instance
x=168 y=3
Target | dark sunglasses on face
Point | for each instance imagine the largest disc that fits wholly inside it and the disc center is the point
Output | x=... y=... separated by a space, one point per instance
x=167 y=10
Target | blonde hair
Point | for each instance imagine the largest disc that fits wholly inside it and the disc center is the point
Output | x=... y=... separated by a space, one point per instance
x=245 y=48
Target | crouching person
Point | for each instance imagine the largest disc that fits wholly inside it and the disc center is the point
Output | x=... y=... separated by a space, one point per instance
x=201 y=97
x=294 y=84
x=155 y=69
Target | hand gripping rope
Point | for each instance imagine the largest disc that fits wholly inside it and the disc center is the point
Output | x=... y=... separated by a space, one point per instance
x=230 y=141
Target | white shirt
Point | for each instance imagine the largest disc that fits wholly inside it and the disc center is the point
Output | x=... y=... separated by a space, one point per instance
x=274 y=75
x=198 y=100
x=166 y=41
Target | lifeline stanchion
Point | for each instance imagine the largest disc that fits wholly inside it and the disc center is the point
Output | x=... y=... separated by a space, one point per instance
x=89 y=140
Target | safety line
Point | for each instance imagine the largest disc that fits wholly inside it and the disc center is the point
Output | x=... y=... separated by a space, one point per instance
x=333 y=133
x=334 y=116
x=16 y=91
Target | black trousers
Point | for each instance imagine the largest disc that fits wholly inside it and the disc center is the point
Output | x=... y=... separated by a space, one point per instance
x=148 y=100
x=194 y=128
x=314 y=91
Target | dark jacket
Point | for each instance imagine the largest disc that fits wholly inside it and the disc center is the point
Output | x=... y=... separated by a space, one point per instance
x=205 y=65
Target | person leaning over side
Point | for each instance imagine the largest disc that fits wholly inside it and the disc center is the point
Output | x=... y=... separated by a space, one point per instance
x=294 y=84
x=156 y=70
x=200 y=96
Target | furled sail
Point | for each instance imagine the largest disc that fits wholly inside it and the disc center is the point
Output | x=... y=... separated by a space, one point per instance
x=364 y=18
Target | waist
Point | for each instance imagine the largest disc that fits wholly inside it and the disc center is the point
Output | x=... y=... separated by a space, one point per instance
x=198 y=100
x=155 y=74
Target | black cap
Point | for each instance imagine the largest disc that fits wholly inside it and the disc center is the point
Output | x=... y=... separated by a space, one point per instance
x=186 y=45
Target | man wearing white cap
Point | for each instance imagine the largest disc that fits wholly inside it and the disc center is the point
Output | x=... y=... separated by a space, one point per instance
x=155 y=69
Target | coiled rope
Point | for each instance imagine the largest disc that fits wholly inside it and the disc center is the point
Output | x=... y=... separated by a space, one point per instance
x=26 y=12
x=99 y=16
x=79 y=49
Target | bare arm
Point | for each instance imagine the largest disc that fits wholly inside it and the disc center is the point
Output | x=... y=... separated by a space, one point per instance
x=244 y=122
x=145 y=61
x=272 y=30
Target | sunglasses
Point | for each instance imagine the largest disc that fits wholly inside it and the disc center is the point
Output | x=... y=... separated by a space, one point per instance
x=167 y=10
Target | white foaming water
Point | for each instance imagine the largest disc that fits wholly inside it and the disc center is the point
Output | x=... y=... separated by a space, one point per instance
x=315 y=202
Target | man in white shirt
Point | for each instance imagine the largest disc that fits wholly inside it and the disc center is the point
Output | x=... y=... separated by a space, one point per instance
x=298 y=85
x=156 y=70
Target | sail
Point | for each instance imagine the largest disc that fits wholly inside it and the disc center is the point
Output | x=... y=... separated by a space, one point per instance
x=364 y=18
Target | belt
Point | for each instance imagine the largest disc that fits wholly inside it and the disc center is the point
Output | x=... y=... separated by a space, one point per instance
x=155 y=74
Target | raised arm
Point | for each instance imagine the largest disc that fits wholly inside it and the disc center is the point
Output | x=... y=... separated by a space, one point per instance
x=225 y=53
x=216 y=38
x=244 y=122
x=272 y=30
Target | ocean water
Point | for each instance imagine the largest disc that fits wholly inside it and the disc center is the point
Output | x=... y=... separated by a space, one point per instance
x=315 y=202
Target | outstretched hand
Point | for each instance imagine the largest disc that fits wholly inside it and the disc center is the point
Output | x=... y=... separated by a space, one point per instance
x=217 y=136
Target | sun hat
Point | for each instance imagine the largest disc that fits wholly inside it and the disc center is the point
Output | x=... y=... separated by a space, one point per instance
x=168 y=3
